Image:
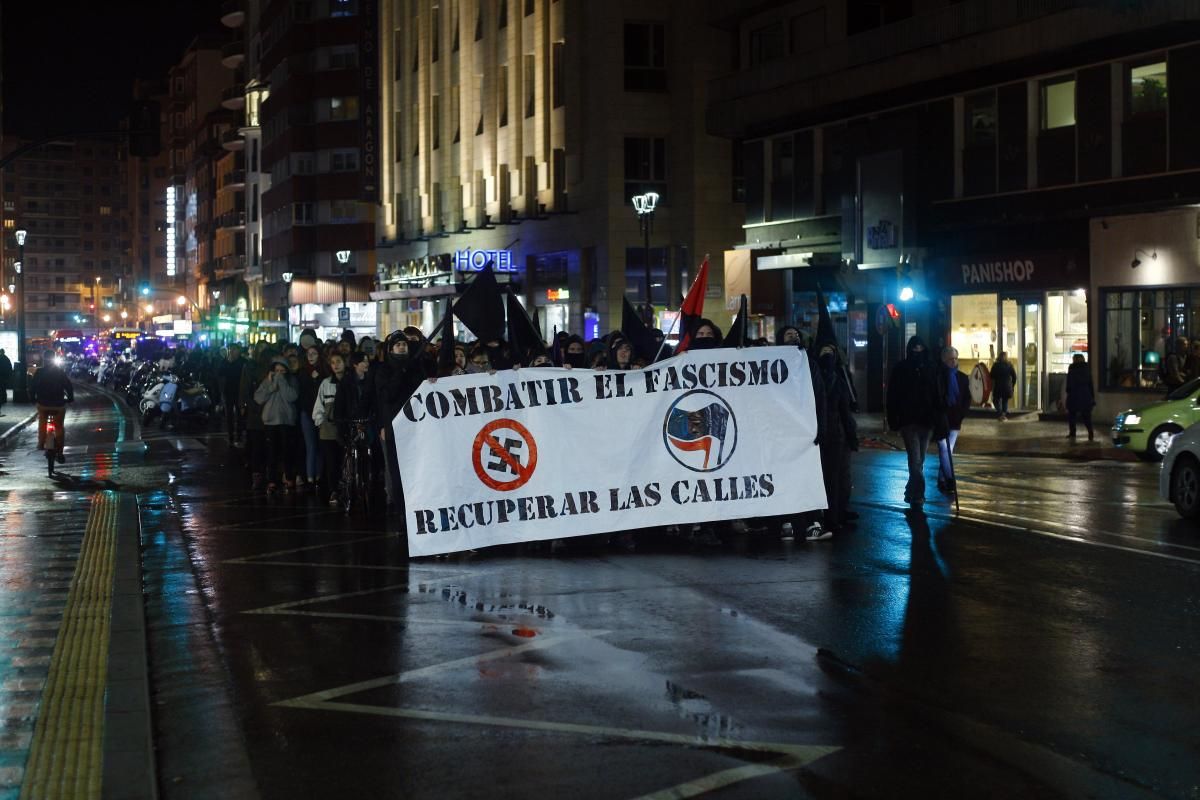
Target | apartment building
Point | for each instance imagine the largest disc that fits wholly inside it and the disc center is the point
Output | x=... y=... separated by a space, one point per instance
x=983 y=173
x=517 y=133
x=71 y=198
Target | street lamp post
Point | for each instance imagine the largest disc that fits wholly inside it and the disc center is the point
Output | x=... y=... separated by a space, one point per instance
x=287 y=311
x=343 y=258
x=644 y=205
x=21 y=387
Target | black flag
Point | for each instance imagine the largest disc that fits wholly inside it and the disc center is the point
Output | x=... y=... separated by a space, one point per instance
x=738 y=335
x=446 y=353
x=636 y=332
x=481 y=307
x=825 y=333
x=526 y=340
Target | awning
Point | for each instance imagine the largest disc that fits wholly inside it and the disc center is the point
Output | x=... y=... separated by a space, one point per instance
x=325 y=290
x=444 y=290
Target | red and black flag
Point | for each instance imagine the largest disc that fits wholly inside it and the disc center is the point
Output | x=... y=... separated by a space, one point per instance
x=526 y=340
x=481 y=306
x=692 y=310
x=635 y=330
x=739 y=334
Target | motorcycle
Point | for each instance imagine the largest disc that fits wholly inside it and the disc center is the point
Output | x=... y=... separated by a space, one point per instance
x=178 y=402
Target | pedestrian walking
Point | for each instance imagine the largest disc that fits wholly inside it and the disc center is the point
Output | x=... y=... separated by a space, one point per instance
x=277 y=395
x=914 y=408
x=1004 y=381
x=1081 y=396
x=230 y=383
x=956 y=397
x=323 y=416
x=1172 y=367
x=6 y=375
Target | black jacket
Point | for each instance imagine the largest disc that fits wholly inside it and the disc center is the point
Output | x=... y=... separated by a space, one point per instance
x=913 y=396
x=1004 y=378
x=957 y=412
x=355 y=399
x=6 y=371
x=51 y=387
x=1080 y=394
x=395 y=382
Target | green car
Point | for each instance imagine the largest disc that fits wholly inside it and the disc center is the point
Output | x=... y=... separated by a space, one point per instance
x=1147 y=431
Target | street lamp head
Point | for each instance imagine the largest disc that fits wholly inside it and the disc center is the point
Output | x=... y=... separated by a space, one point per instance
x=124 y=314
x=149 y=308
x=181 y=300
x=21 y=234
x=12 y=288
x=17 y=267
x=287 y=277
x=343 y=256
x=106 y=318
x=216 y=294
x=645 y=203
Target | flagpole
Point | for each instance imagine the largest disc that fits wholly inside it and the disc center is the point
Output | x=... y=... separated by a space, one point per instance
x=664 y=341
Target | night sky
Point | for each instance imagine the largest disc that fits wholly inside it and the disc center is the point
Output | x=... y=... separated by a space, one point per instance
x=70 y=65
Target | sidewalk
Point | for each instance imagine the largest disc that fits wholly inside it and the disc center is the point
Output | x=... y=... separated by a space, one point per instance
x=16 y=417
x=1021 y=435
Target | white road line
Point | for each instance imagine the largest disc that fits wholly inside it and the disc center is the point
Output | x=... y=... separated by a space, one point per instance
x=726 y=777
x=307 y=548
x=325 y=598
x=801 y=752
x=319 y=698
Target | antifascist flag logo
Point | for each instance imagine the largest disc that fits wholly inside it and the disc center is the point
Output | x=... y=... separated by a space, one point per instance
x=700 y=431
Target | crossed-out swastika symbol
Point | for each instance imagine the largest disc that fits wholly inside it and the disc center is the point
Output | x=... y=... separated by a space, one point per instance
x=515 y=454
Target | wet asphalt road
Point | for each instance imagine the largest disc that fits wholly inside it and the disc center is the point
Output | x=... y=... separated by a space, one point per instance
x=1042 y=644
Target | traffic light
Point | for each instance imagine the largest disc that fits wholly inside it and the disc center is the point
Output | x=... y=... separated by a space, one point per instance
x=145 y=289
x=144 y=129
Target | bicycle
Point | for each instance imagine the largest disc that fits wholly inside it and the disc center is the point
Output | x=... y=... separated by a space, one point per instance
x=358 y=469
x=51 y=432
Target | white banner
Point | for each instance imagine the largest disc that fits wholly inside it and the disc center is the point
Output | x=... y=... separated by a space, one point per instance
x=545 y=453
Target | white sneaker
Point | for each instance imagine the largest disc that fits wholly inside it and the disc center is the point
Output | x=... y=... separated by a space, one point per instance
x=786 y=533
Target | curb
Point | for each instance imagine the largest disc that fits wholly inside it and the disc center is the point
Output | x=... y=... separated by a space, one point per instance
x=16 y=428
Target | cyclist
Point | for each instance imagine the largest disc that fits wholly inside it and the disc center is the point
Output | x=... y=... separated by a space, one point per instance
x=51 y=389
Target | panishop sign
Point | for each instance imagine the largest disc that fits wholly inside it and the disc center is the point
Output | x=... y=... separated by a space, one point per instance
x=544 y=453
x=1049 y=270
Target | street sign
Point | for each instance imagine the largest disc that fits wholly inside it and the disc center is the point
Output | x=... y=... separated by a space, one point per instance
x=343 y=314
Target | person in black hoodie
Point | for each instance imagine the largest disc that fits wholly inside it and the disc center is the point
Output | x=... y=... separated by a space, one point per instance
x=839 y=435
x=810 y=522
x=398 y=378
x=573 y=355
x=915 y=409
x=708 y=336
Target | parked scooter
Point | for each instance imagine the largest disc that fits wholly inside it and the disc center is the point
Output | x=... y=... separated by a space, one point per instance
x=183 y=403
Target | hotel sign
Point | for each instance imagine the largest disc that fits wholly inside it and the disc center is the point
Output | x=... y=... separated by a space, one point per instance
x=468 y=260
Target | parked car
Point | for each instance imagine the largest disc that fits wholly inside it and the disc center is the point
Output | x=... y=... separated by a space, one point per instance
x=1147 y=431
x=1179 y=481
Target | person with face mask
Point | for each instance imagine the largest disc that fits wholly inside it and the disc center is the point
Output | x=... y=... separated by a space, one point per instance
x=573 y=354
x=915 y=408
x=839 y=436
x=398 y=379
x=708 y=336
x=620 y=355
x=810 y=522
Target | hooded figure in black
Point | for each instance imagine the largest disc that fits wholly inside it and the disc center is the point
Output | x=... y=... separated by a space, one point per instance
x=810 y=521
x=708 y=336
x=574 y=352
x=839 y=434
x=399 y=377
x=915 y=409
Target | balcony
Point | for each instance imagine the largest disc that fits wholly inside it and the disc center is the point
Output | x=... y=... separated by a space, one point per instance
x=231 y=221
x=233 y=13
x=234 y=179
x=233 y=53
x=234 y=98
x=228 y=266
x=232 y=141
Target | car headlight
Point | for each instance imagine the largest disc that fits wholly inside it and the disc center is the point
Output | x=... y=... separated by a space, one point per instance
x=58 y=361
x=1132 y=419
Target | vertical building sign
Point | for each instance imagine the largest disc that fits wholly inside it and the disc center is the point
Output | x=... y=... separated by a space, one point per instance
x=368 y=101
x=881 y=209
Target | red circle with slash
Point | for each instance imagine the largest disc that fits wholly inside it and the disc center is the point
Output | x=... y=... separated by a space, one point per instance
x=485 y=439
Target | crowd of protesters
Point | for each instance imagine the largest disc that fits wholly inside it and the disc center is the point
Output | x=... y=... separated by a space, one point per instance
x=292 y=408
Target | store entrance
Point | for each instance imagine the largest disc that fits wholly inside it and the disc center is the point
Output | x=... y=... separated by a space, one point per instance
x=1021 y=338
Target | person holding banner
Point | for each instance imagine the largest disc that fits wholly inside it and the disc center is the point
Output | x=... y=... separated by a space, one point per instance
x=839 y=436
x=809 y=521
x=915 y=409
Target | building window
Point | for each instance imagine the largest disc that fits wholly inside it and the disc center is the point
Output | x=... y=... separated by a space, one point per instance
x=502 y=15
x=645 y=166
x=346 y=58
x=435 y=33
x=767 y=43
x=479 y=23
x=979 y=144
x=343 y=161
x=1141 y=328
x=343 y=211
x=530 y=86
x=343 y=8
x=1148 y=88
x=342 y=108
x=529 y=4
x=454 y=26
x=865 y=15
x=435 y=122
x=105 y=211
x=456 y=113
x=302 y=214
x=502 y=96
x=558 y=75
x=645 y=57
x=1058 y=103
